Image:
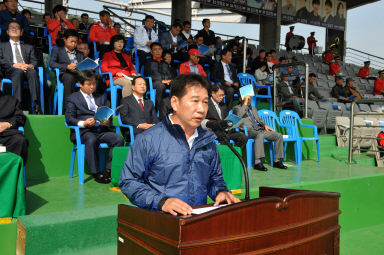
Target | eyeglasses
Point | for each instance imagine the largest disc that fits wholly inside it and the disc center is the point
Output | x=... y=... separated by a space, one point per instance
x=14 y=28
x=221 y=96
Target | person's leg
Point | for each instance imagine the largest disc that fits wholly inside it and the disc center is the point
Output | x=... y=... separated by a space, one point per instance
x=113 y=140
x=17 y=77
x=126 y=84
x=239 y=138
x=16 y=143
x=33 y=83
x=142 y=57
x=160 y=89
x=258 y=137
x=91 y=147
x=278 y=139
x=229 y=92
x=69 y=81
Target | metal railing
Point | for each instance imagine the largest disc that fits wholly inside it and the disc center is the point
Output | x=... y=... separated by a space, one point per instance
x=352 y=124
x=358 y=57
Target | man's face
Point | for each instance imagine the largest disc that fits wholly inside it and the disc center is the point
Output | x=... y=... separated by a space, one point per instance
x=11 y=5
x=168 y=58
x=46 y=19
x=70 y=42
x=328 y=9
x=289 y=69
x=149 y=23
x=289 y=2
x=268 y=56
x=339 y=82
x=194 y=59
x=381 y=75
x=156 y=51
x=218 y=96
x=316 y=8
x=262 y=54
x=350 y=83
x=366 y=65
x=337 y=60
x=311 y=79
x=207 y=24
x=283 y=61
x=84 y=19
x=14 y=30
x=227 y=58
x=117 y=28
x=88 y=87
x=2 y=7
x=192 y=108
x=75 y=23
x=175 y=31
x=187 y=28
x=84 y=49
x=28 y=17
x=140 y=87
x=199 y=41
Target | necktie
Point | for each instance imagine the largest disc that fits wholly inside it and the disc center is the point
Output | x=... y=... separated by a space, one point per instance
x=92 y=106
x=229 y=71
x=289 y=88
x=19 y=58
x=255 y=124
x=141 y=104
x=149 y=32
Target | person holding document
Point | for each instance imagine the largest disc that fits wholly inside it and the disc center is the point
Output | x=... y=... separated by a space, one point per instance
x=80 y=111
x=175 y=164
x=120 y=65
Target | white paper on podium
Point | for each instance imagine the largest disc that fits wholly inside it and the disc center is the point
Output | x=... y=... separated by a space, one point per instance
x=205 y=209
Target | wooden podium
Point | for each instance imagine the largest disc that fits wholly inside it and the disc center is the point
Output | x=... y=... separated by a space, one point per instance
x=281 y=221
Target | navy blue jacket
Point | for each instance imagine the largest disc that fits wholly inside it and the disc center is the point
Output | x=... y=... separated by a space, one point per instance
x=5 y=18
x=160 y=164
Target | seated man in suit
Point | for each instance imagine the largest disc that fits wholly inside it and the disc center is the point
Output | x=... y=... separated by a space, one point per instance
x=226 y=74
x=12 y=117
x=171 y=40
x=288 y=94
x=313 y=93
x=66 y=59
x=217 y=110
x=19 y=62
x=259 y=131
x=137 y=111
x=81 y=107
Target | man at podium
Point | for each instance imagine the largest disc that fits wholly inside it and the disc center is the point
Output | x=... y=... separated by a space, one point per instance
x=175 y=164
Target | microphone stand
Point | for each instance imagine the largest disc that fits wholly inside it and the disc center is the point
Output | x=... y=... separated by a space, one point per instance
x=225 y=139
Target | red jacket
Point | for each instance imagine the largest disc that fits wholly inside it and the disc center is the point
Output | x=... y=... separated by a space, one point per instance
x=379 y=85
x=364 y=72
x=311 y=42
x=328 y=58
x=54 y=28
x=111 y=64
x=334 y=69
x=380 y=136
x=287 y=37
x=97 y=32
x=184 y=69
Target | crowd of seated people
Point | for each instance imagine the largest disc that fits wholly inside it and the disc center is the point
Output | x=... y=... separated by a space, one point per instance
x=161 y=57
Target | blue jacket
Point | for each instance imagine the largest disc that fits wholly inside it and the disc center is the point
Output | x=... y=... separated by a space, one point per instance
x=5 y=18
x=160 y=164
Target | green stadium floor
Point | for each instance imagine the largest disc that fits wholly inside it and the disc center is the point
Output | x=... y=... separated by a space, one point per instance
x=360 y=184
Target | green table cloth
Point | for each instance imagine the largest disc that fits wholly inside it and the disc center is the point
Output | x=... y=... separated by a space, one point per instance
x=12 y=192
x=232 y=171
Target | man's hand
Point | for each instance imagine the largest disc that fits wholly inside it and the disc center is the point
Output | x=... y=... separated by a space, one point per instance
x=247 y=100
x=175 y=206
x=57 y=16
x=148 y=43
x=225 y=196
x=268 y=128
x=106 y=122
x=145 y=126
x=166 y=81
x=119 y=74
x=227 y=83
x=189 y=40
x=63 y=16
x=134 y=74
x=174 y=44
x=101 y=41
x=71 y=67
x=90 y=122
x=236 y=84
x=4 y=126
x=21 y=66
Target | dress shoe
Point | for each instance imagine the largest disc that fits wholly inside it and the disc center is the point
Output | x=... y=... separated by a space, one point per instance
x=36 y=109
x=260 y=167
x=279 y=165
x=107 y=172
x=101 y=178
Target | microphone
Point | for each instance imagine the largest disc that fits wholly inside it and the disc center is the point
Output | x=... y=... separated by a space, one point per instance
x=216 y=125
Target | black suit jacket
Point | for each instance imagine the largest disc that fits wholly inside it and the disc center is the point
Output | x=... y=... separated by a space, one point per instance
x=10 y=111
x=132 y=114
x=212 y=113
x=59 y=58
x=6 y=56
x=77 y=110
x=218 y=73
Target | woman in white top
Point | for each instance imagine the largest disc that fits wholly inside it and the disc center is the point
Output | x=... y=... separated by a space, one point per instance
x=262 y=76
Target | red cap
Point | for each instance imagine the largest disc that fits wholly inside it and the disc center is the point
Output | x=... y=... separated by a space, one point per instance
x=194 y=52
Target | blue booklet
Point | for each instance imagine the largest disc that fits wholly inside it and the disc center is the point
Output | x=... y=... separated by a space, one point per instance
x=203 y=49
x=87 y=64
x=247 y=90
x=236 y=120
x=352 y=97
x=103 y=113
x=336 y=107
x=182 y=45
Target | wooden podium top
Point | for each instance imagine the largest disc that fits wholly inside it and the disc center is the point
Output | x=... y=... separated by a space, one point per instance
x=280 y=219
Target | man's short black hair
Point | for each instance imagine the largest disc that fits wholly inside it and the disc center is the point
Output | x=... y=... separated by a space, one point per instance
x=176 y=25
x=261 y=51
x=84 y=15
x=85 y=75
x=116 y=38
x=224 y=52
x=7 y=1
x=329 y=3
x=15 y=22
x=46 y=14
x=165 y=52
x=26 y=11
x=282 y=58
x=216 y=87
x=135 y=79
x=198 y=35
x=186 y=23
x=149 y=17
x=103 y=13
x=114 y=25
x=315 y=2
x=181 y=83
x=58 y=8
x=312 y=75
x=268 y=53
x=155 y=44
x=70 y=32
x=204 y=20
x=272 y=51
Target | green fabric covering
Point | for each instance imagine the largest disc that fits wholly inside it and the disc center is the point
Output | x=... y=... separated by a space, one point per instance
x=12 y=194
x=232 y=171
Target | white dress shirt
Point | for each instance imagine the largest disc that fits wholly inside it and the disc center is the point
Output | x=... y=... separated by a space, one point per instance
x=141 y=38
x=227 y=77
x=80 y=124
x=217 y=107
x=191 y=138
x=13 y=50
